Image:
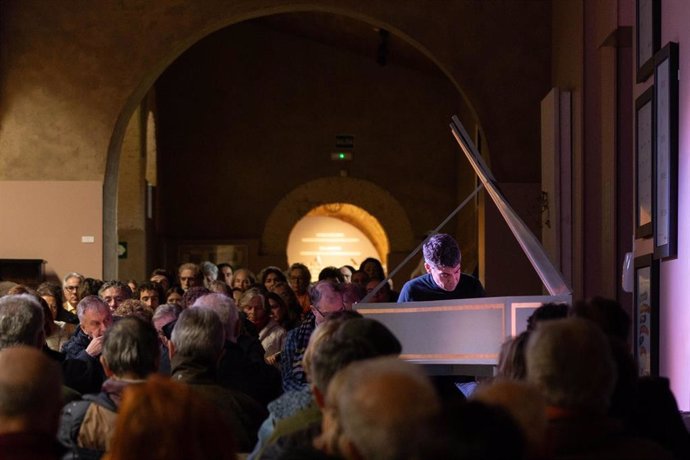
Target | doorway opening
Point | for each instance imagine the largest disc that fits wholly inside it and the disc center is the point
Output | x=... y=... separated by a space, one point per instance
x=336 y=234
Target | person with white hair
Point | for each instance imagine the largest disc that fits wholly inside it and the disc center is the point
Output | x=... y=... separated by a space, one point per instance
x=571 y=362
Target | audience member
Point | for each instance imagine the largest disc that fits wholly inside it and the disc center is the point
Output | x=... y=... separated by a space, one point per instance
x=130 y=354
x=195 y=349
x=163 y=321
x=90 y=286
x=190 y=276
x=114 y=293
x=546 y=312
x=242 y=366
x=299 y=278
x=511 y=359
x=347 y=271
x=378 y=409
x=219 y=287
x=271 y=334
x=150 y=293
x=164 y=420
x=572 y=364
x=373 y=268
x=225 y=273
x=209 y=270
x=52 y=294
x=352 y=294
x=360 y=278
x=331 y=274
x=280 y=313
x=191 y=294
x=174 y=295
x=269 y=276
x=326 y=298
x=70 y=289
x=294 y=308
x=131 y=307
x=30 y=403
x=243 y=278
x=163 y=277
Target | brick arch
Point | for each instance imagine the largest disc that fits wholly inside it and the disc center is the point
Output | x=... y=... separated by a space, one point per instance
x=357 y=192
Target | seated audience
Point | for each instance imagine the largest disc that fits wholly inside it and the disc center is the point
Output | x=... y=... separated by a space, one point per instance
x=164 y=420
x=294 y=308
x=299 y=278
x=242 y=366
x=114 y=293
x=70 y=288
x=150 y=293
x=190 y=276
x=195 y=350
x=326 y=299
x=242 y=278
x=378 y=409
x=209 y=270
x=331 y=274
x=571 y=362
x=174 y=295
x=163 y=278
x=30 y=403
x=131 y=307
x=271 y=334
x=130 y=354
x=269 y=276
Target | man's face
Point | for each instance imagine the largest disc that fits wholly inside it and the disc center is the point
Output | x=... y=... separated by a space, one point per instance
x=150 y=298
x=241 y=281
x=70 y=289
x=359 y=278
x=298 y=281
x=114 y=296
x=380 y=296
x=331 y=301
x=227 y=275
x=187 y=279
x=347 y=274
x=447 y=278
x=95 y=322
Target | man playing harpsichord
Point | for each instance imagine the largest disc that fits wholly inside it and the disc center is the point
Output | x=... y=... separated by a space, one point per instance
x=443 y=279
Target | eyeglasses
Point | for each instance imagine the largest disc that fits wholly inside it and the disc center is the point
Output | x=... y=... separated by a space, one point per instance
x=71 y=288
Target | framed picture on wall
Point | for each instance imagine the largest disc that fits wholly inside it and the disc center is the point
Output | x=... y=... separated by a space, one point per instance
x=646 y=315
x=644 y=143
x=648 y=36
x=665 y=152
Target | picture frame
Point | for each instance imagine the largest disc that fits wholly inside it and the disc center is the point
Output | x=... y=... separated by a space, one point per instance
x=665 y=152
x=646 y=315
x=644 y=146
x=647 y=37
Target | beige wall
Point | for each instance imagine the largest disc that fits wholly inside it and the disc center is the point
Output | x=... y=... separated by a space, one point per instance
x=47 y=220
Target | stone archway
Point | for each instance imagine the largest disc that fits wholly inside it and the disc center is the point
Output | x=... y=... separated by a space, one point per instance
x=360 y=193
x=225 y=19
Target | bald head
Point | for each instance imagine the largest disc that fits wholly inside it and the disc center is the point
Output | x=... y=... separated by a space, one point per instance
x=382 y=404
x=30 y=391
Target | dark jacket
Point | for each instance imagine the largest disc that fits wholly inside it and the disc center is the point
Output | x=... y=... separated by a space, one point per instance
x=242 y=413
x=242 y=367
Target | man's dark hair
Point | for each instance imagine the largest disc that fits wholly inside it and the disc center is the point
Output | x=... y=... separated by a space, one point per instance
x=124 y=287
x=441 y=250
x=303 y=268
x=331 y=273
x=546 y=312
x=131 y=346
x=150 y=286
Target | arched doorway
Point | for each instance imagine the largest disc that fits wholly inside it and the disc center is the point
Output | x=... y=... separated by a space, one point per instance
x=336 y=234
x=404 y=240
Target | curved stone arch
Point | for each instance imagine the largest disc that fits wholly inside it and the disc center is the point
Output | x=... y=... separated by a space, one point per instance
x=361 y=193
x=225 y=18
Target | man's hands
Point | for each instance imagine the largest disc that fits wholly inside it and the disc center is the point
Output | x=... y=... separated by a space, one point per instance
x=95 y=347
